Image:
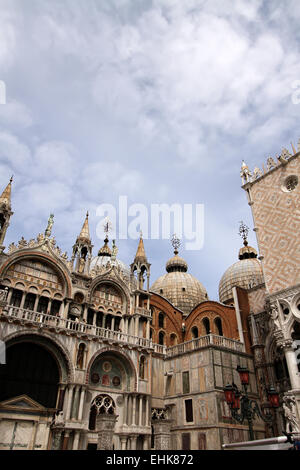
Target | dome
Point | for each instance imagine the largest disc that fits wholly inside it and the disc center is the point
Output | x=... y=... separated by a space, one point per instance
x=107 y=258
x=180 y=288
x=245 y=273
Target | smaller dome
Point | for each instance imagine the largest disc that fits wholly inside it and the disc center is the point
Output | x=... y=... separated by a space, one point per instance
x=247 y=252
x=105 y=250
x=245 y=273
x=176 y=263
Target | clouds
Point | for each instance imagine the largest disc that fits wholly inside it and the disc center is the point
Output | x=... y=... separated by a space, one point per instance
x=157 y=100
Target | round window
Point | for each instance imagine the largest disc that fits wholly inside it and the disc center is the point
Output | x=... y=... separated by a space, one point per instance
x=291 y=183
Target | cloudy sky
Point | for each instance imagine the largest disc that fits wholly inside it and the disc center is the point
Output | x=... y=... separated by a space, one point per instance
x=156 y=100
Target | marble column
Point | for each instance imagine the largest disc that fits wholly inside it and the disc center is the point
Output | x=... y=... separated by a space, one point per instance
x=291 y=363
x=123 y=440
x=133 y=439
x=133 y=409
x=23 y=299
x=125 y=408
x=74 y=413
x=148 y=329
x=141 y=411
x=76 y=440
x=82 y=397
x=70 y=399
x=10 y=293
x=147 y=412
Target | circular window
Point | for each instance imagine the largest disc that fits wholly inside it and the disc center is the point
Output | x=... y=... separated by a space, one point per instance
x=290 y=183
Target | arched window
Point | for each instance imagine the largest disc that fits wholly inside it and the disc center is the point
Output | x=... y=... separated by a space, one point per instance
x=55 y=307
x=206 y=325
x=195 y=333
x=142 y=367
x=173 y=339
x=161 y=320
x=218 y=323
x=43 y=305
x=161 y=338
x=29 y=301
x=16 y=298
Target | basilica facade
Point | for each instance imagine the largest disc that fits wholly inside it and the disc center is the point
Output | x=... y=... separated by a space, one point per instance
x=98 y=357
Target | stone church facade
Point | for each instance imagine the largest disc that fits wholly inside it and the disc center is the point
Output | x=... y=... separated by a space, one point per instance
x=97 y=358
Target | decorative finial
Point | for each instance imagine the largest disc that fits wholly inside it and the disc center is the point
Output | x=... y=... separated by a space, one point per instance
x=87 y=213
x=175 y=243
x=294 y=150
x=243 y=232
x=107 y=226
x=11 y=179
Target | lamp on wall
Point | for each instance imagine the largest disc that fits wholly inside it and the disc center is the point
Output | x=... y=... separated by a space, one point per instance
x=237 y=400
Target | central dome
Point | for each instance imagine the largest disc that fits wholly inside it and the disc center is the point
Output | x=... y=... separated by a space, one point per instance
x=179 y=287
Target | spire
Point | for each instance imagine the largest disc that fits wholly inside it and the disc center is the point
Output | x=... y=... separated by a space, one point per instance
x=5 y=198
x=85 y=231
x=140 y=253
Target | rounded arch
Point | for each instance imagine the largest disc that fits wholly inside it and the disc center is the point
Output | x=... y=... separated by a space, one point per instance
x=54 y=346
x=118 y=285
x=122 y=357
x=55 y=264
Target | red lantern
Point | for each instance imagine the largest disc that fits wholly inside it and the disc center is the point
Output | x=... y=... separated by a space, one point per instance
x=236 y=401
x=244 y=375
x=229 y=395
x=273 y=397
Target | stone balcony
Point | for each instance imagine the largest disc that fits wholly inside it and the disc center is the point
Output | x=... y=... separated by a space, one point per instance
x=60 y=325
x=56 y=324
x=204 y=342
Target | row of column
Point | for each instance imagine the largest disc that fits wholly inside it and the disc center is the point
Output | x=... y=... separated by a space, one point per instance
x=64 y=307
x=136 y=410
x=131 y=442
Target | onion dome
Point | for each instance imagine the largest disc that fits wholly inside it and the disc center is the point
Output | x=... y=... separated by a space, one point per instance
x=105 y=250
x=246 y=273
x=179 y=287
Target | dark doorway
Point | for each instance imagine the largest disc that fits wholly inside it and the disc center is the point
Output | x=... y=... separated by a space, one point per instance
x=29 y=370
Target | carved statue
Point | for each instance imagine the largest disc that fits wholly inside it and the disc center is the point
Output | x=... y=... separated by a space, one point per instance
x=257 y=173
x=59 y=419
x=271 y=163
x=12 y=247
x=22 y=243
x=289 y=408
x=81 y=265
x=114 y=250
x=49 y=226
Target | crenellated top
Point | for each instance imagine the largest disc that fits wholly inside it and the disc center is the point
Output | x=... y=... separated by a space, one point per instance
x=250 y=177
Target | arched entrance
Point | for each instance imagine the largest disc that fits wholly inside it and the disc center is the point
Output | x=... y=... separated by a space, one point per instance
x=29 y=370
